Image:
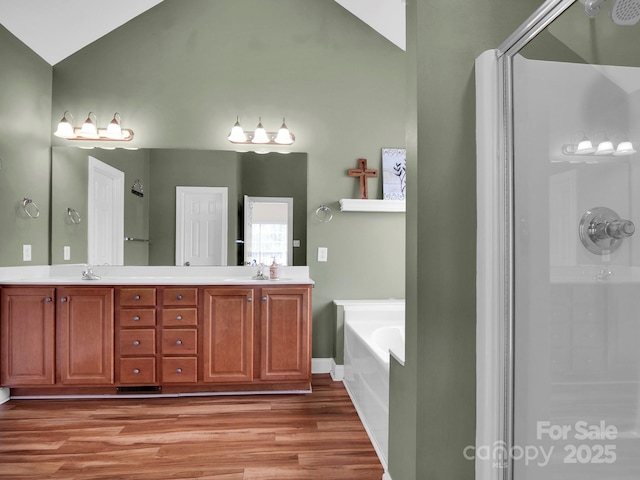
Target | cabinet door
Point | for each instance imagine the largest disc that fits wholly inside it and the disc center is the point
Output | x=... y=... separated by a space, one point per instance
x=228 y=335
x=28 y=336
x=285 y=320
x=85 y=336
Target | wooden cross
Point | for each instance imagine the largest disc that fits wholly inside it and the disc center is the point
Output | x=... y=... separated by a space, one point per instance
x=363 y=173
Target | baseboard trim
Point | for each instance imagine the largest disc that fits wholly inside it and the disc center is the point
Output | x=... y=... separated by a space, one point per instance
x=337 y=371
x=5 y=395
x=321 y=365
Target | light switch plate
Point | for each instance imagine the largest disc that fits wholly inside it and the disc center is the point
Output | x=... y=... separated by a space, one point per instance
x=26 y=253
x=296 y=243
x=322 y=254
x=67 y=252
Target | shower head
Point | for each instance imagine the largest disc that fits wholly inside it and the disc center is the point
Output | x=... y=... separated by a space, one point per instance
x=625 y=12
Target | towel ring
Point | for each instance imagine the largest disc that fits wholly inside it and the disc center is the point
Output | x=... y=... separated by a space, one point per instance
x=74 y=216
x=30 y=208
x=324 y=214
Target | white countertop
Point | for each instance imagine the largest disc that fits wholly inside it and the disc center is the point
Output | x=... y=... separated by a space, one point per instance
x=142 y=275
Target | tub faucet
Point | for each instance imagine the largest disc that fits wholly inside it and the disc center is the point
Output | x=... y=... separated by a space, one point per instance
x=87 y=273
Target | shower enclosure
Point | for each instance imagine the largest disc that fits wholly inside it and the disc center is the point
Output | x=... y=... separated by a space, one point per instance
x=558 y=251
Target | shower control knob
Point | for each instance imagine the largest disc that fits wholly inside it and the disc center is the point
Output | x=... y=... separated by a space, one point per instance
x=602 y=231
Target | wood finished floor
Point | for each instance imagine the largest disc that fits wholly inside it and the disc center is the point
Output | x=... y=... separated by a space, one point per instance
x=263 y=437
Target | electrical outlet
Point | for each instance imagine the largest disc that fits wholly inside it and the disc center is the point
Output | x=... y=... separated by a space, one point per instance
x=26 y=253
x=67 y=252
x=322 y=254
x=296 y=243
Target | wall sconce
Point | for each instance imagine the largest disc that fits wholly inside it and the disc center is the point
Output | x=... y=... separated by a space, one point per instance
x=605 y=147
x=260 y=135
x=90 y=130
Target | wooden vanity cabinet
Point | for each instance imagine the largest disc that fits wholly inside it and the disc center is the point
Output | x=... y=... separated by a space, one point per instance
x=285 y=321
x=136 y=336
x=85 y=335
x=27 y=352
x=228 y=334
x=179 y=335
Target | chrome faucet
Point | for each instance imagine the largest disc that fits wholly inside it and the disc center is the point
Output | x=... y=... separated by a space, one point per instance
x=260 y=274
x=88 y=274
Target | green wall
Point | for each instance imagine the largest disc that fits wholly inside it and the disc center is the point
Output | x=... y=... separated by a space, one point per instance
x=432 y=404
x=181 y=72
x=25 y=116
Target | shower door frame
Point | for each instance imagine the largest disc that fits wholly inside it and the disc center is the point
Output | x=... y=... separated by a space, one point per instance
x=495 y=249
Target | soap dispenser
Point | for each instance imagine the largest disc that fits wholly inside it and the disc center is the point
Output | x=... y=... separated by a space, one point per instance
x=274 y=270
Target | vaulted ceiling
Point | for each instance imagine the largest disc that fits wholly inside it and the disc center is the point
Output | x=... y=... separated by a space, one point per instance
x=55 y=29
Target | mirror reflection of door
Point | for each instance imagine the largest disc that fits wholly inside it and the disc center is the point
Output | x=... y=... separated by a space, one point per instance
x=201 y=225
x=268 y=230
x=105 y=217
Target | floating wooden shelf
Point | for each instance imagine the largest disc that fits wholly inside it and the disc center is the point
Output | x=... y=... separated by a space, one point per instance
x=359 y=205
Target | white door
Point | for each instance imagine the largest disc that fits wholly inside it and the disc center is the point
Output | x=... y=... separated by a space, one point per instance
x=201 y=225
x=268 y=230
x=105 y=218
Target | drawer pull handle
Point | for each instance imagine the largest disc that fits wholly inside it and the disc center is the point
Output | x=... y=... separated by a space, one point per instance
x=63 y=299
x=179 y=370
x=136 y=318
x=136 y=342
x=136 y=297
x=136 y=371
x=48 y=299
x=179 y=317
x=179 y=297
x=178 y=342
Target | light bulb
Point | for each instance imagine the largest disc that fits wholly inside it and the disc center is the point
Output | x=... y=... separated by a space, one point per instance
x=89 y=129
x=65 y=129
x=260 y=134
x=237 y=135
x=114 y=130
x=284 y=136
x=624 y=148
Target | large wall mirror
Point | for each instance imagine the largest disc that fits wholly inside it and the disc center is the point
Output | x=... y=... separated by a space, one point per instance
x=151 y=177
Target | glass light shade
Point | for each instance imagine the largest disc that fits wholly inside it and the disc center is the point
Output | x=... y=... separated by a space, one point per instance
x=89 y=129
x=284 y=136
x=237 y=135
x=624 y=148
x=585 y=147
x=260 y=135
x=114 y=131
x=65 y=129
x=605 y=148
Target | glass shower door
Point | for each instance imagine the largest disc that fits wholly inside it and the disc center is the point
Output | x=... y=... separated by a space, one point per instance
x=577 y=271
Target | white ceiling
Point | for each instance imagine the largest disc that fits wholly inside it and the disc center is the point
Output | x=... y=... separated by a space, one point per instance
x=55 y=29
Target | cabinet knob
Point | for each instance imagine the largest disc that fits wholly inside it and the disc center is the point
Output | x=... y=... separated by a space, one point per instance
x=48 y=299
x=136 y=297
x=179 y=370
x=136 y=318
x=179 y=297
x=136 y=342
x=178 y=342
x=63 y=299
x=264 y=299
x=179 y=317
x=136 y=371
x=249 y=299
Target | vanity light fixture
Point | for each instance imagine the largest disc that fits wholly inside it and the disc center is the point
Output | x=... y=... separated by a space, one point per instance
x=604 y=148
x=261 y=136
x=91 y=131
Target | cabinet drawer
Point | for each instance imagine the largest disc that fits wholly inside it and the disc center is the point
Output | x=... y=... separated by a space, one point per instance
x=179 y=370
x=138 y=341
x=175 y=317
x=138 y=371
x=137 y=317
x=137 y=297
x=179 y=341
x=180 y=296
